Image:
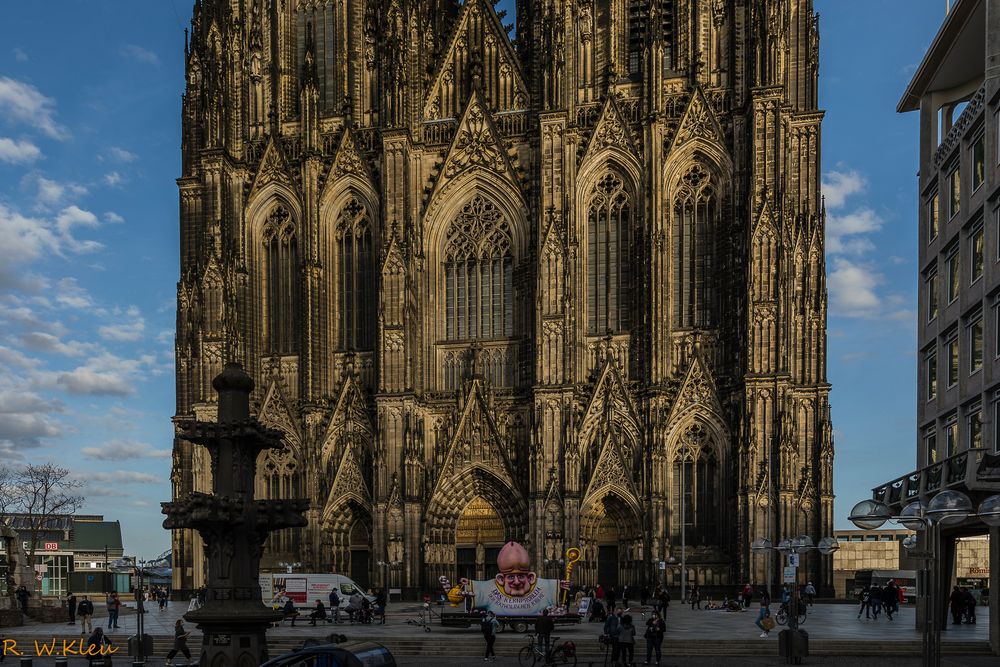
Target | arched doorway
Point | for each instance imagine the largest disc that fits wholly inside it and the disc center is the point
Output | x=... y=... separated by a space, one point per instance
x=479 y=536
x=610 y=532
x=360 y=548
x=608 y=537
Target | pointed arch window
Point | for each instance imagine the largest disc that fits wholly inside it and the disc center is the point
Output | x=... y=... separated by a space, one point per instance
x=280 y=276
x=355 y=277
x=693 y=251
x=609 y=210
x=696 y=483
x=479 y=273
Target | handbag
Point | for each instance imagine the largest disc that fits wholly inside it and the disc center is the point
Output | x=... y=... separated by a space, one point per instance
x=768 y=623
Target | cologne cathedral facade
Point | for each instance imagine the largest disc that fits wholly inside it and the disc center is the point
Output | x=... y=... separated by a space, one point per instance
x=559 y=281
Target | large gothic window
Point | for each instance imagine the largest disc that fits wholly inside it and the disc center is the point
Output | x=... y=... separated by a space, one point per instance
x=479 y=273
x=693 y=251
x=355 y=278
x=696 y=485
x=608 y=220
x=280 y=276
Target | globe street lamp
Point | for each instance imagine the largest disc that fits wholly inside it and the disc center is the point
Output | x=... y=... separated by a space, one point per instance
x=945 y=509
x=800 y=544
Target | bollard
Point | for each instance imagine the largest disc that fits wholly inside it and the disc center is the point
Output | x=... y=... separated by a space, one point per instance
x=25 y=662
x=139 y=663
x=62 y=661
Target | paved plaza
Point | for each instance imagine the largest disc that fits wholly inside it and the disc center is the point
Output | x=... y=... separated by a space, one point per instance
x=701 y=637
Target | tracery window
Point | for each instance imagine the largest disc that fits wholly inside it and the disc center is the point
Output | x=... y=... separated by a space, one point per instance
x=479 y=273
x=696 y=476
x=279 y=477
x=355 y=277
x=280 y=276
x=693 y=251
x=608 y=219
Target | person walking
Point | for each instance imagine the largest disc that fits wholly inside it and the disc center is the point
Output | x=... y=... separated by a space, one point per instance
x=875 y=600
x=180 y=643
x=890 y=598
x=764 y=613
x=970 y=606
x=22 y=595
x=114 y=606
x=97 y=651
x=863 y=597
x=599 y=593
x=86 y=611
x=810 y=593
x=489 y=627
x=643 y=595
x=747 y=595
x=957 y=601
x=626 y=641
x=655 y=629
x=695 y=597
x=625 y=593
x=612 y=597
x=71 y=608
x=543 y=629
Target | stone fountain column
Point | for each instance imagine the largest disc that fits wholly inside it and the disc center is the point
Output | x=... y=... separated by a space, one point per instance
x=233 y=526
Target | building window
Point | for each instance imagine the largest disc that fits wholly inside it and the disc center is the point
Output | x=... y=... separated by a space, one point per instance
x=479 y=273
x=975 y=423
x=952 y=346
x=954 y=275
x=931 y=365
x=954 y=192
x=996 y=422
x=976 y=249
x=978 y=163
x=355 y=278
x=933 y=217
x=608 y=223
x=933 y=294
x=280 y=274
x=951 y=436
x=930 y=445
x=976 y=344
x=692 y=252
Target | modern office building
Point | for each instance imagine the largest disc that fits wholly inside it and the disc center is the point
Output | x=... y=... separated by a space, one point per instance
x=955 y=90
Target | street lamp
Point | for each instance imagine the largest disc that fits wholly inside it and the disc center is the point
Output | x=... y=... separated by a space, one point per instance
x=798 y=545
x=946 y=508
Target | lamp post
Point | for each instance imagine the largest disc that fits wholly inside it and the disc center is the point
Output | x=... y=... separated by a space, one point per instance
x=946 y=508
x=793 y=643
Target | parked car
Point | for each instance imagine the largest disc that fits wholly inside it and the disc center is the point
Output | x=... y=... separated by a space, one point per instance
x=355 y=654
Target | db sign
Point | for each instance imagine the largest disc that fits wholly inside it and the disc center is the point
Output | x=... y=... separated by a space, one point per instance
x=51 y=546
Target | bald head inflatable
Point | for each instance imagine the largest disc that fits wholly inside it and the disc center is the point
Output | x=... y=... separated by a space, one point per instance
x=515 y=577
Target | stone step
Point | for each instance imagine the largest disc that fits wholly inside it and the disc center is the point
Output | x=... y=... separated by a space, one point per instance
x=510 y=646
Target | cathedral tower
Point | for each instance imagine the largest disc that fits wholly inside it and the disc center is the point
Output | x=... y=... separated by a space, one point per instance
x=548 y=288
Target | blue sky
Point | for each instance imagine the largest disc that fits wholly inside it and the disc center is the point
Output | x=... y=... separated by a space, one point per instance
x=90 y=148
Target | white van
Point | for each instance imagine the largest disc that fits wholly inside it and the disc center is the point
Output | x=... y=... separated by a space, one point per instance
x=303 y=589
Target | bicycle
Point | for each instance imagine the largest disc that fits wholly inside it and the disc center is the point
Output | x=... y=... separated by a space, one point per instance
x=781 y=617
x=533 y=654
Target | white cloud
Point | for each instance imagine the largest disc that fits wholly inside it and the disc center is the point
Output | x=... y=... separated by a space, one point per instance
x=26 y=418
x=113 y=179
x=40 y=341
x=113 y=218
x=23 y=102
x=53 y=193
x=117 y=154
x=853 y=289
x=119 y=450
x=71 y=217
x=123 y=332
x=71 y=295
x=140 y=54
x=844 y=233
x=21 y=151
x=839 y=185
x=16 y=358
x=120 y=477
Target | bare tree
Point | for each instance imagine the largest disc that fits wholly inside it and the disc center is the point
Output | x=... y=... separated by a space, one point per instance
x=8 y=492
x=40 y=494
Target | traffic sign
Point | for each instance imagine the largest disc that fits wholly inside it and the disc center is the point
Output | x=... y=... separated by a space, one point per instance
x=793 y=560
x=789 y=575
x=663 y=565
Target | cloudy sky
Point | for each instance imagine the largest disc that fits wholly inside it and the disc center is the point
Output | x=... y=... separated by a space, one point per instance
x=89 y=150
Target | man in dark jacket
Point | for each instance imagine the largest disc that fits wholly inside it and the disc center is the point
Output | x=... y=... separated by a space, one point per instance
x=890 y=599
x=22 y=595
x=318 y=613
x=71 y=608
x=543 y=628
x=334 y=606
x=86 y=611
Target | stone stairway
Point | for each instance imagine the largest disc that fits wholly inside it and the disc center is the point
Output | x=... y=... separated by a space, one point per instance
x=472 y=644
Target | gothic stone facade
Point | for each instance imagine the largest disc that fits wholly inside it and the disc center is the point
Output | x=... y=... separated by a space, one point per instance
x=543 y=289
